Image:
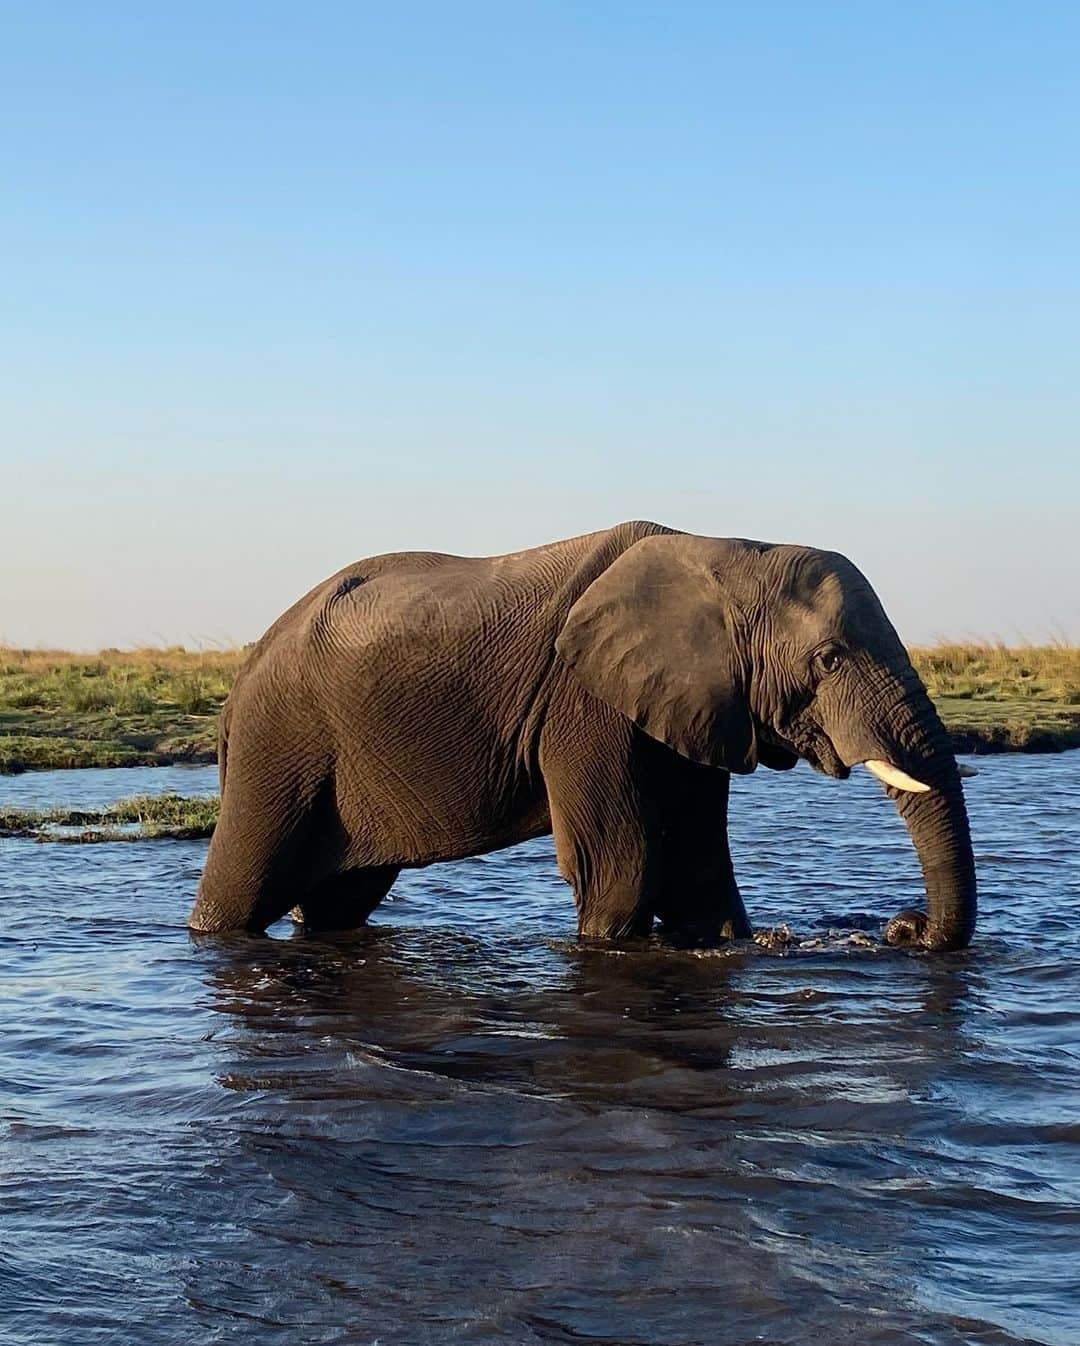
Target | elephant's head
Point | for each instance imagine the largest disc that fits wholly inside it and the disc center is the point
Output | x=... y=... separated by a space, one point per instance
x=735 y=653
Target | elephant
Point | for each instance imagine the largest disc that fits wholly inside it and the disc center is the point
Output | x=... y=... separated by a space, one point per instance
x=418 y=707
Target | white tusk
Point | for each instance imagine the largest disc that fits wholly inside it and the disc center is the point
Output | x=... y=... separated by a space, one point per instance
x=892 y=775
x=966 y=771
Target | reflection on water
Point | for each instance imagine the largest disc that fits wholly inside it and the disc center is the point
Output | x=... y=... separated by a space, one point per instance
x=459 y=1126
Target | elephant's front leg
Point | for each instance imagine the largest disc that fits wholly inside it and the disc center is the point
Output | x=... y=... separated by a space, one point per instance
x=607 y=842
x=699 y=900
x=613 y=871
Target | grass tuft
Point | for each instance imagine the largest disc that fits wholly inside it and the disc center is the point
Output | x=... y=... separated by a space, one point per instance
x=1004 y=698
x=126 y=682
x=140 y=817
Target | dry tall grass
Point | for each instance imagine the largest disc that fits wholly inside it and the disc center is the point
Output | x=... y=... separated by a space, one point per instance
x=980 y=672
x=127 y=682
x=195 y=682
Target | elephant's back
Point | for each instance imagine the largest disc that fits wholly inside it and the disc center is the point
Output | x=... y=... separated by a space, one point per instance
x=292 y=630
x=420 y=670
x=435 y=600
x=450 y=602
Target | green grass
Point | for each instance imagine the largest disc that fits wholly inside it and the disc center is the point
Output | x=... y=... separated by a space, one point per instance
x=150 y=707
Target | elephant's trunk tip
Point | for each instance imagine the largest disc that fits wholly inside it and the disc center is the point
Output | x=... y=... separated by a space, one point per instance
x=911 y=929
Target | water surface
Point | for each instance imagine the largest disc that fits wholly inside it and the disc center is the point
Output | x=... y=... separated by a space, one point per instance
x=459 y=1126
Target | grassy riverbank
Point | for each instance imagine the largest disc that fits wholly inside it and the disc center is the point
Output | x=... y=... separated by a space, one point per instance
x=997 y=698
x=157 y=706
x=115 y=708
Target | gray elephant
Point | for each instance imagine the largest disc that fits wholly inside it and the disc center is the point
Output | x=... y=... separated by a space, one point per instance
x=419 y=707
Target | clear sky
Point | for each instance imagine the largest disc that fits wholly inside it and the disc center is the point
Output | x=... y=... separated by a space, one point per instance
x=285 y=285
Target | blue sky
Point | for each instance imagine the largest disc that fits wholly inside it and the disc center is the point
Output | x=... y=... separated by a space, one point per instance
x=289 y=285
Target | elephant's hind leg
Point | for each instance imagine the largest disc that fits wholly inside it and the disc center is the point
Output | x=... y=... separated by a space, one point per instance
x=236 y=893
x=258 y=855
x=345 y=901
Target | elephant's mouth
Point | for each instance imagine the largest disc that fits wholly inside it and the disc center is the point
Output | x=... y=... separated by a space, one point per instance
x=823 y=757
x=806 y=740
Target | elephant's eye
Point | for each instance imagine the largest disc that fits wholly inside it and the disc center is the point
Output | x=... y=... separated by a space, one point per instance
x=830 y=660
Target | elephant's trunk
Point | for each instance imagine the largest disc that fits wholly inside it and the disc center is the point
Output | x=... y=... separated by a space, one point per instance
x=938 y=823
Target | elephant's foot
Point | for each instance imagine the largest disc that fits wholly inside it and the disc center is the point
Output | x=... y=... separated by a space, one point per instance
x=907 y=929
x=217 y=913
x=344 y=901
x=705 y=933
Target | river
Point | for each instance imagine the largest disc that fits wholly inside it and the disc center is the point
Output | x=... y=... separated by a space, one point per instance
x=457 y=1125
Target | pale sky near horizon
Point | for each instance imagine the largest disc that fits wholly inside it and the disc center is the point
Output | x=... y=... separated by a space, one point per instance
x=289 y=285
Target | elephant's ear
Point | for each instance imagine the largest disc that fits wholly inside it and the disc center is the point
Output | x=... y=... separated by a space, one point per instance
x=654 y=636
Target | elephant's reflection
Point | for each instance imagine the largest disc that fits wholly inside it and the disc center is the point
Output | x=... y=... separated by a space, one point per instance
x=574 y=1021
x=488 y=1104
x=646 y=1026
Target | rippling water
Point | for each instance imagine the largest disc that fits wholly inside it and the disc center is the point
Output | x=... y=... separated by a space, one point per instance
x=457 y=1126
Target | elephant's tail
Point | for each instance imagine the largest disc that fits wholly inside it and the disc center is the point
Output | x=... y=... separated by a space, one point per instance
x=223 y=746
